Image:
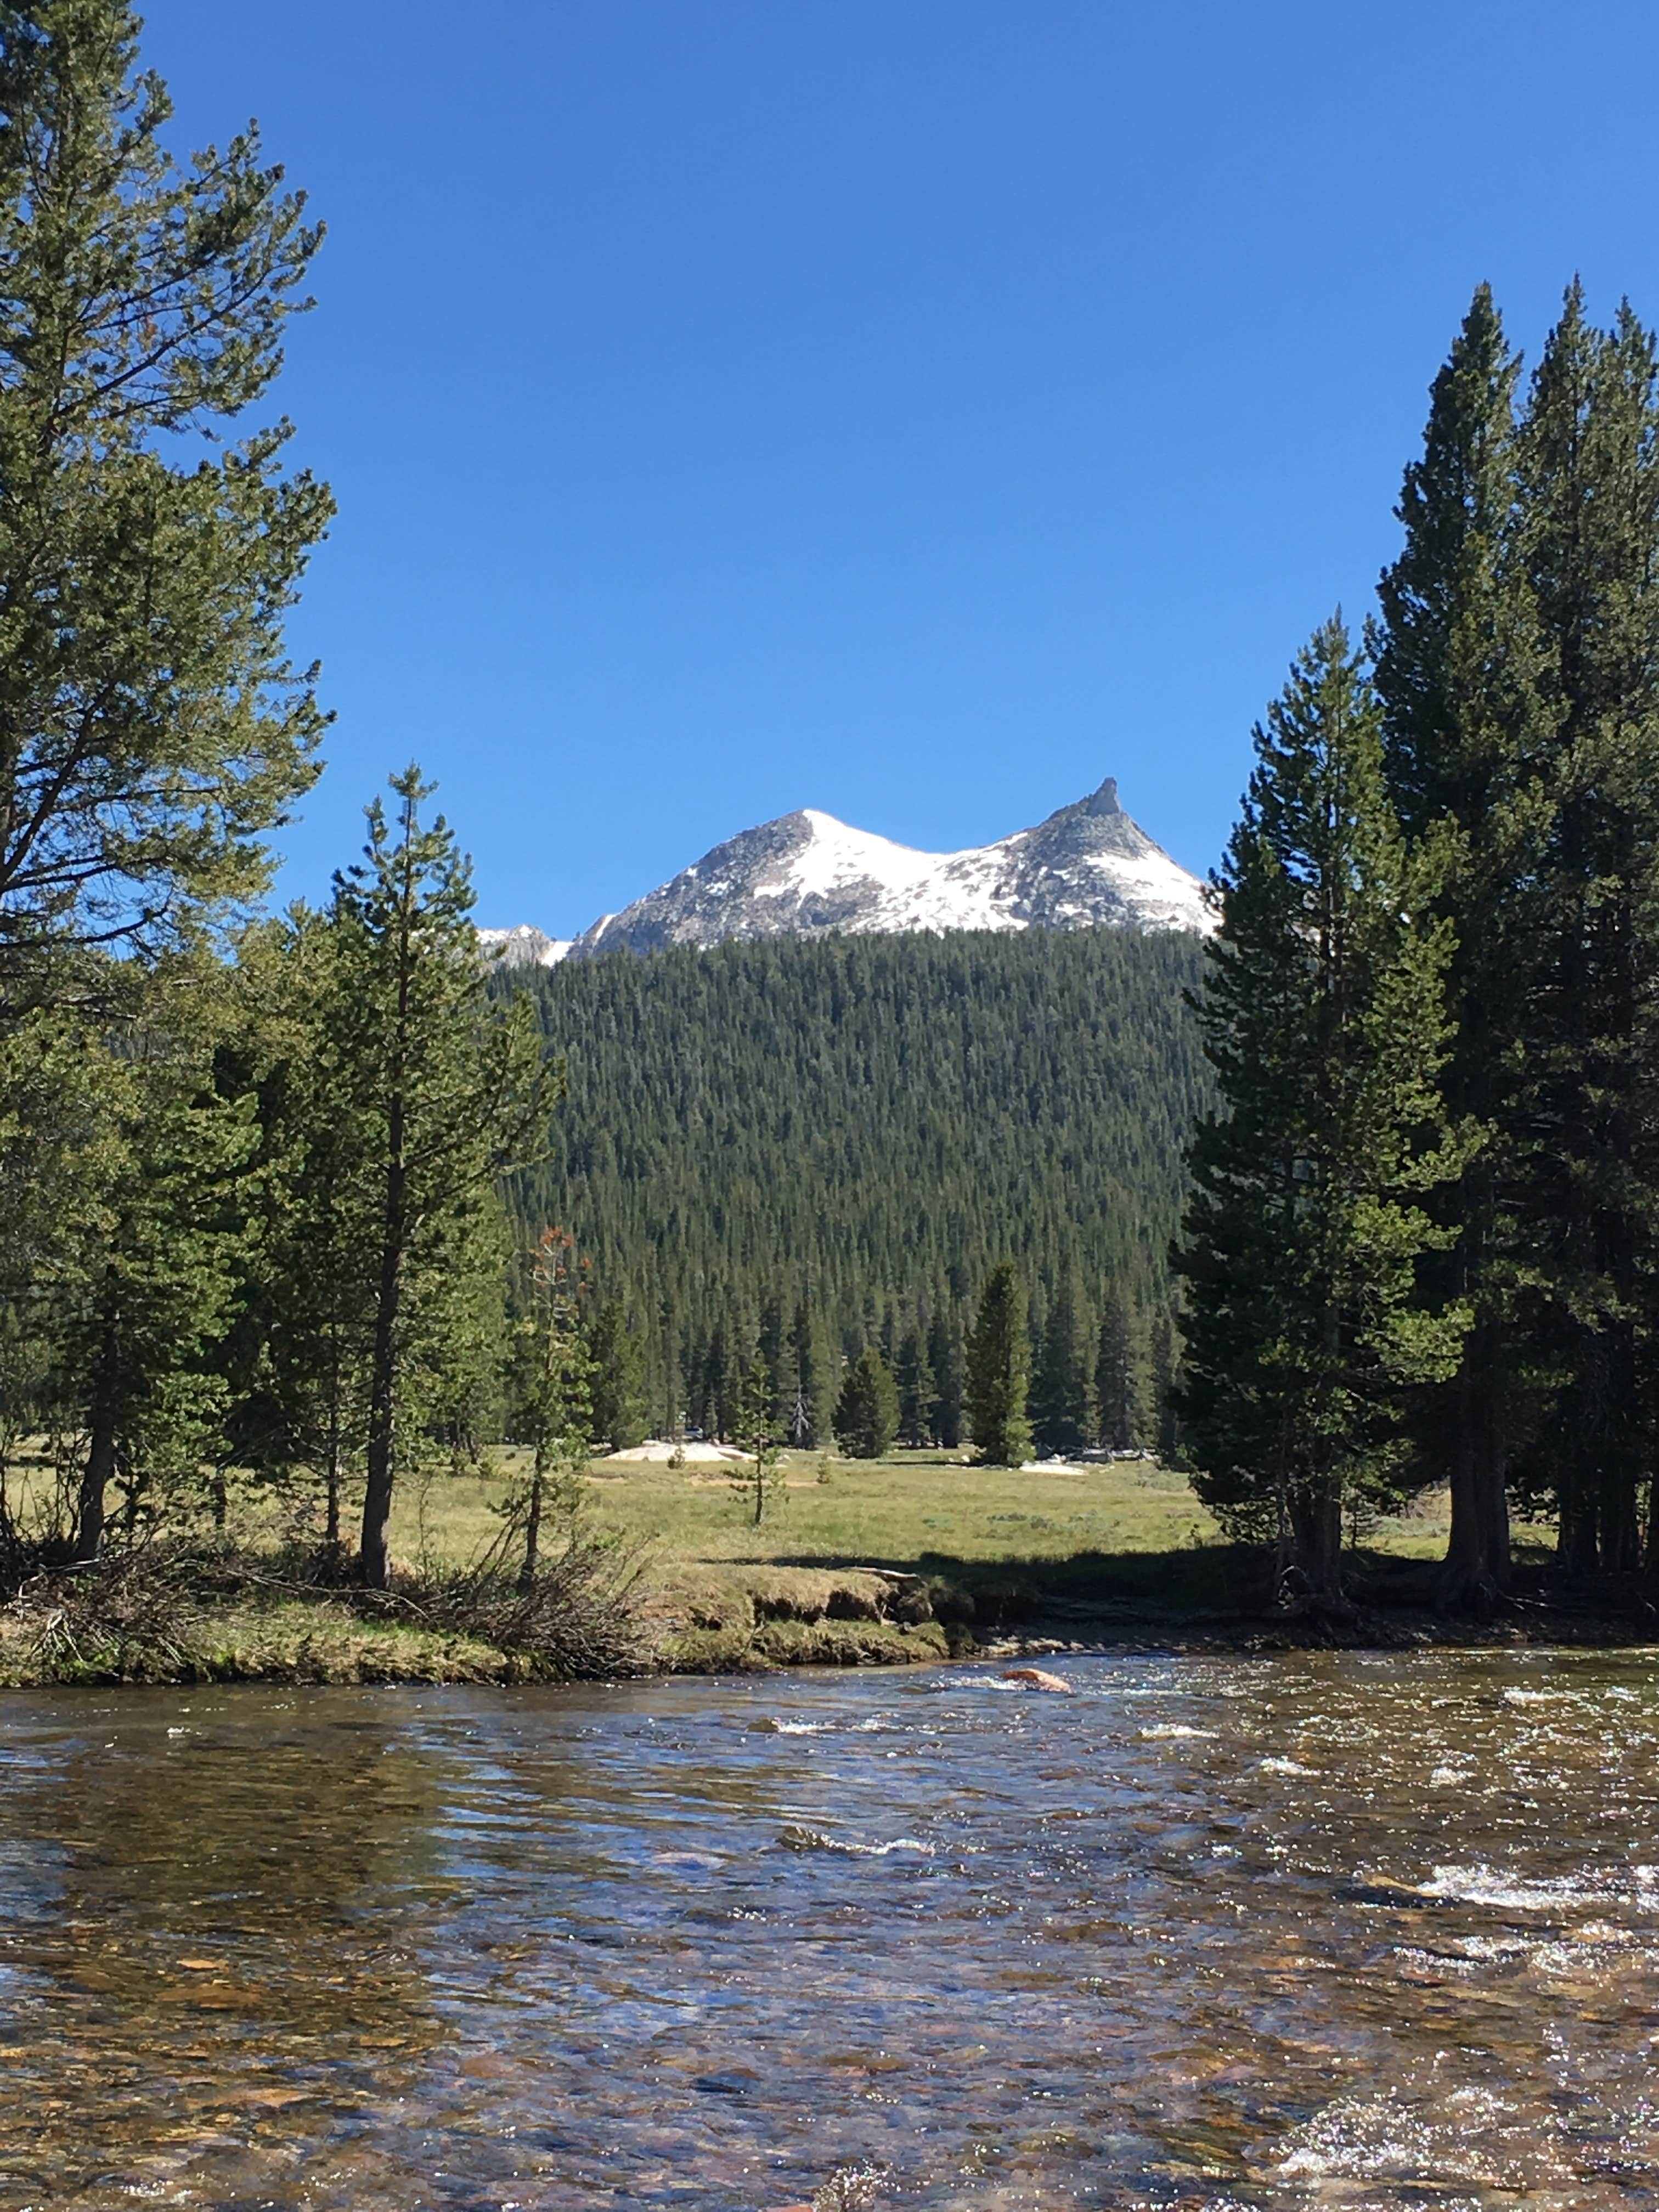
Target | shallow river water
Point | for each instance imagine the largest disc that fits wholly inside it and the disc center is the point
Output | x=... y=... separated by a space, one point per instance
x=1216 y=1933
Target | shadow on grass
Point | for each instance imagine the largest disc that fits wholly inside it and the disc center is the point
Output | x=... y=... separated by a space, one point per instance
x=1220 y=1579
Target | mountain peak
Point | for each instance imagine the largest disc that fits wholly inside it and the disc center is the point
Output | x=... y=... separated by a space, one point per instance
x=1088 y=866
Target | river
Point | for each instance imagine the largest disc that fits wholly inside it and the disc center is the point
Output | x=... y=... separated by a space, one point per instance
x=1374 y=1931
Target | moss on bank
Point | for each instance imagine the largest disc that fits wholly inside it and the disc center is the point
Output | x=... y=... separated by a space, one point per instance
x=324 y=1643
x=293 y=1640
x=168 y=1630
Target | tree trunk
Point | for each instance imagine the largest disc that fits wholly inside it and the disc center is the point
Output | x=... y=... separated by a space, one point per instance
x=1316 y=1541
x=533 y=1527
x=1476 y=1576
x=99 y=1470
x=1578 y=1546
x=331 y=1467
x=374 y=1558
x=94 y=1482
x=1621 y=1535
x=374 y=1562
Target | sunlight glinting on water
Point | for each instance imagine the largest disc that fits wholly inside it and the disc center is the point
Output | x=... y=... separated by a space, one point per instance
x=1213 y=1933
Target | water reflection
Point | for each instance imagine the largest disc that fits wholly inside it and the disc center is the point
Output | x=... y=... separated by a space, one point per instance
x=1211 y=1934
x=208 y=1942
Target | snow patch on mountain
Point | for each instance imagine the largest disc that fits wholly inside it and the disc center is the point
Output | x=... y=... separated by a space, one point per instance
x=896 y=887
x=523 y=947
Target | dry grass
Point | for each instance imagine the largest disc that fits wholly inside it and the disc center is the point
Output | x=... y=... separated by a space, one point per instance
x=243 y=1639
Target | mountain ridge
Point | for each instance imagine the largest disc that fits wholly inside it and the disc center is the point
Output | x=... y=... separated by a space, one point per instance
x=1086 y=866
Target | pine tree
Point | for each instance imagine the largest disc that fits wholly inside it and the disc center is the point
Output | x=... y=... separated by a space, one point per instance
x=915 y=1377
x=1466 y=733
x=618 y=1377
x=775 y=1352
x=944 y=1360
x=672 y=1384
x=1119 y=1376
x=299 y=1355
x=996 y=1371
x=449 y=1090
x=866 y=1412
x=560 y=1407
x=724 y=1371
x=1590 y=470
x=153 y=1296
x=1325 y=1019
x=153 y=728
x=755 y=1432
x=1061 y=1400
x=1165 y=1389
x=811 y=1418
x=60 y=1155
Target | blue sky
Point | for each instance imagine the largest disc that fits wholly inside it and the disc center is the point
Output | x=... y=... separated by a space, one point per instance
x=917 y=409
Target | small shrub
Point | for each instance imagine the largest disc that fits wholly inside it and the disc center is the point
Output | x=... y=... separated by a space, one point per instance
x=579 y=1619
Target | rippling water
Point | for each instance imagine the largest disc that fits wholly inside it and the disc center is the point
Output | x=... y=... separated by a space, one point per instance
x=1212 y=1933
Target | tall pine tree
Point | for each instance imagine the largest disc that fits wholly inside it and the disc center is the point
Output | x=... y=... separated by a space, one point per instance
x=560 y=1411
x=1061 y=1408
x=945 y=1364
x=916 y=1396
x=1589 y=469
x=1120 y=1375
x=1324 y=1016
x=448 y=1089
x=997 y=1370
x=151 y=728
x=868 y=1410
x=1466 y=730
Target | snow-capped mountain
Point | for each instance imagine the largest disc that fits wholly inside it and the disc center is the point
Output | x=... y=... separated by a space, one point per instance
x=523 y=947
x=1087 y=867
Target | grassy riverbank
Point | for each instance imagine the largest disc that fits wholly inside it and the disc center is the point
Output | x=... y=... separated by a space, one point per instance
x=912 y=1559
x=1002 y=1555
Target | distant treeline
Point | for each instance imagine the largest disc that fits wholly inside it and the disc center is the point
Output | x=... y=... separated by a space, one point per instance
x=812 y=1147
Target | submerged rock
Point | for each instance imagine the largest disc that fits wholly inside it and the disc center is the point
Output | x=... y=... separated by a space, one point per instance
x=1034 y=1678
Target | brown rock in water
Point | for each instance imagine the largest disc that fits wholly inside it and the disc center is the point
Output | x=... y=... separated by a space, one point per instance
x=1034 y=1678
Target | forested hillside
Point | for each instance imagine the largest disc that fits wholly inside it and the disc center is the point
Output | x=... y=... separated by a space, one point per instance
x=838 y=1138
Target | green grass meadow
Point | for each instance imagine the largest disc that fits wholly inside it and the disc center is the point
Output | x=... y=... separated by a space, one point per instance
x=909 y=1558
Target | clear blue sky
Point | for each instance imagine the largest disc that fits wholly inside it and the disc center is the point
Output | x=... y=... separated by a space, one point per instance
x=918 y=409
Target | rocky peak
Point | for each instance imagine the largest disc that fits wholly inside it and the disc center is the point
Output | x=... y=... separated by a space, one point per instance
x=1089 y=864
